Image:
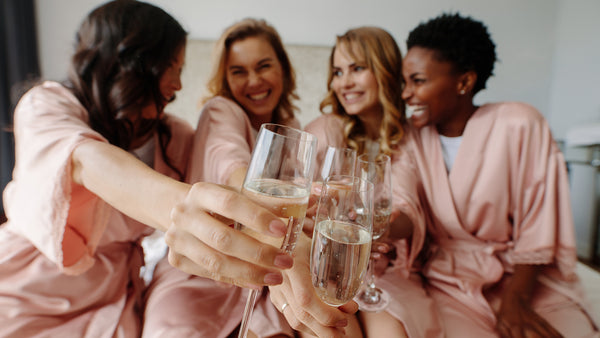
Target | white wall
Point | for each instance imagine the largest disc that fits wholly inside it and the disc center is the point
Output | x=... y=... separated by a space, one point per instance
x=534 y=40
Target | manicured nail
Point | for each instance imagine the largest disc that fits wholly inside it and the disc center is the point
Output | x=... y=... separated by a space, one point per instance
x=342 y=323
x=273 y=278
x=277 y=228
x=283 y=261
x=255 y=287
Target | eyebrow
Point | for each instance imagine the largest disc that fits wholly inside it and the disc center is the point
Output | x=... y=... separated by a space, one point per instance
x=265 y=60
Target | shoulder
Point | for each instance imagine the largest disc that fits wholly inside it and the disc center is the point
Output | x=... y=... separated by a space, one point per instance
x=222 y=103
x=50 y=100
x=325 y=121
x=50 y=92
x=512 y=113
x=178 y=124
x=222 y=109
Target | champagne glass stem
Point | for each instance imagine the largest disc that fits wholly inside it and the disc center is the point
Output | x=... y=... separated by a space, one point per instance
x=371 y=295
x=248 y=313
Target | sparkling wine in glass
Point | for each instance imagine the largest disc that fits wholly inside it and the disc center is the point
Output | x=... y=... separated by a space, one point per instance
x=341 y=242
x=376 y=169
x=279 y=178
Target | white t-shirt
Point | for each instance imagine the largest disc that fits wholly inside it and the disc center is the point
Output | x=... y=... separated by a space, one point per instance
x=449 y=149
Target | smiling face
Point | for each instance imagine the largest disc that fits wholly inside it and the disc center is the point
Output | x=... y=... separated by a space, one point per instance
x=255 y=77
x=354 y=84
x=432 y=89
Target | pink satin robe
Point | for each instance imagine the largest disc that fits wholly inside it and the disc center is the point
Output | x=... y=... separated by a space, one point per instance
x=101 y=295
x=504 y=202
x=223 y=142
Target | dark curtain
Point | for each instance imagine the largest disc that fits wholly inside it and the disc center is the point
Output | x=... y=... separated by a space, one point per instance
x=18 y=65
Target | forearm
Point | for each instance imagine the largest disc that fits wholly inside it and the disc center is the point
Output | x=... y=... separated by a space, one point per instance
x=126 y=183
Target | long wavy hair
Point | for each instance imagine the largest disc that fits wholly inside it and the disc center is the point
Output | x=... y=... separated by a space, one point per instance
x=122 y=49
x=246 y=28
x=378 y=49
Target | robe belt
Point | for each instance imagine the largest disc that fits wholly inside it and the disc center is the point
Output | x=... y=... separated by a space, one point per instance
x=464 y=267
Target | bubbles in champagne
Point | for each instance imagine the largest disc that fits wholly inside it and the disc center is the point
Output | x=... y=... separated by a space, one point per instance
x=339 y=257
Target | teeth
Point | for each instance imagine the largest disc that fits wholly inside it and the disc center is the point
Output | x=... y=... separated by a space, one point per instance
x=259 y=96
x=414 y=111
x=351 y=96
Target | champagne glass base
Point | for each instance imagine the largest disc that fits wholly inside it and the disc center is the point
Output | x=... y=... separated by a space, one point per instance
x=375 y=301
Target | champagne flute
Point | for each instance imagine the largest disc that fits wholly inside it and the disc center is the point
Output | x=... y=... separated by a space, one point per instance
x=341 y=242
x=376 y=169
x=279 y=178
x=336 y=161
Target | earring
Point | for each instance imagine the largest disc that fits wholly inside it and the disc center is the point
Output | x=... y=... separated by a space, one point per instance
x=462 y=92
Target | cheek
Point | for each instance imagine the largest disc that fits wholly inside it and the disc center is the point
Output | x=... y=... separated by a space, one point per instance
x=235 y=87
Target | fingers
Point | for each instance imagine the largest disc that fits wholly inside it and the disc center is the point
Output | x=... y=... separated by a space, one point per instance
x=297 y=317
x=192 y=256
x=208 y=247
x=235 y=206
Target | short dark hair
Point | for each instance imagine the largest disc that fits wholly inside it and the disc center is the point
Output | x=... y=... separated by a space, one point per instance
x=460 y=40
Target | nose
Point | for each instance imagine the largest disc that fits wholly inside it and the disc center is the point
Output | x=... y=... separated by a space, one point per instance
x=253 y=79
x=406 y=92
x=347 y=80
x=177 y=83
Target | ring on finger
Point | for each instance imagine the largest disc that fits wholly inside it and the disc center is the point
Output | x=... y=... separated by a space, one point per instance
x=283 y=307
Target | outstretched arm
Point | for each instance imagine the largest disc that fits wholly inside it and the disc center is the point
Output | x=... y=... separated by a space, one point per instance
x=196 y=218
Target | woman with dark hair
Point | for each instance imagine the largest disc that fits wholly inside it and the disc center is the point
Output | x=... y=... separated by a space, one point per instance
x=99 y=167
x=485 y=191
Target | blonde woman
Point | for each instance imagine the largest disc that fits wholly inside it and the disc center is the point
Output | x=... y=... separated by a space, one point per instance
x=252 y=83
x=363 y=110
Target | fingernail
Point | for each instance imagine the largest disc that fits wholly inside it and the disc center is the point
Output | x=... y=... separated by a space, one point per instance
x=273 y=278
x=278 y=228
x=342 y=323
x=283 y=261
x=255 y=287
x=381 y=248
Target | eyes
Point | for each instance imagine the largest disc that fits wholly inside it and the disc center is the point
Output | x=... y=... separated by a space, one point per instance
x=354 y=68
x=240 y=71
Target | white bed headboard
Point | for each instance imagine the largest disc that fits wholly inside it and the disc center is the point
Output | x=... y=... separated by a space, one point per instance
x=309 y=62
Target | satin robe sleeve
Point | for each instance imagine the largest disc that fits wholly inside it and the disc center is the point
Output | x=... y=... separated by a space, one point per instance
x=42 y=202
x=543 y=230
x=223 y=142
x=329 y=130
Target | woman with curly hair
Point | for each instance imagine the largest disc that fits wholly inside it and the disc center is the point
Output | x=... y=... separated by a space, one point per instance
x=99 y=167
x=487 y=186
x=363 y=109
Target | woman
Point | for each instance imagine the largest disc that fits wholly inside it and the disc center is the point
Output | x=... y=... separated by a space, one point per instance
x=363 y=110
x=489 y=186
x=365 y=83
x=252 y=83
x=99 y=166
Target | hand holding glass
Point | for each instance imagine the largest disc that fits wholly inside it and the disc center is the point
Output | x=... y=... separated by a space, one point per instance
x=341 y=243
x=279 y=178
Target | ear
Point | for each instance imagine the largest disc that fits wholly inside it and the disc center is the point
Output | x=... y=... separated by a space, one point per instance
x=466 y=82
